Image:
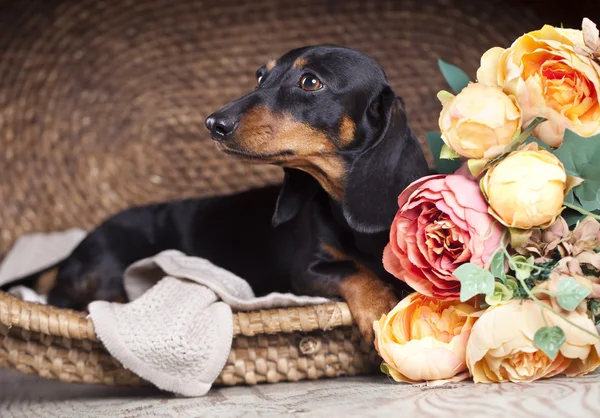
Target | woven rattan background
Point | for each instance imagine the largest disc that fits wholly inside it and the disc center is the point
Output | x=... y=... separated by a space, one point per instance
x=102 y=102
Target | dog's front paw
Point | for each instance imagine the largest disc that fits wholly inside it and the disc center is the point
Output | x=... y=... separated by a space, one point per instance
x=368 y=298
x=371 y=311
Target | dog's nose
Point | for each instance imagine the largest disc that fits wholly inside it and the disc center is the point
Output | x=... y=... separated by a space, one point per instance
x=210 y=122
x=220 y=127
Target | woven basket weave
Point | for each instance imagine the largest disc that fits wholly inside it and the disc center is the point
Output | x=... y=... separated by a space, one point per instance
x=269 y=345
x=102 y=106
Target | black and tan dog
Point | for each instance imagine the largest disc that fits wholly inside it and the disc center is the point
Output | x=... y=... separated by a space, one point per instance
x=328 y=116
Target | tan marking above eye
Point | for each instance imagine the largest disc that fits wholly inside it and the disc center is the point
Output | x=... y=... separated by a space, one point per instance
x=300 y=63
x=271 y=64
x=347 y=131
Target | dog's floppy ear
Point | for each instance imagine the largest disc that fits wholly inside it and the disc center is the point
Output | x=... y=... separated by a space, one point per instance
x=298 y=187
x=389 y=163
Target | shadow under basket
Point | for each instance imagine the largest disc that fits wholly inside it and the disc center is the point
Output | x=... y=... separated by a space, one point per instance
x=274 y=345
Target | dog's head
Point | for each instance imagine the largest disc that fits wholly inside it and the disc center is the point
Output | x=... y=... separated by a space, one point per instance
x=329 y=112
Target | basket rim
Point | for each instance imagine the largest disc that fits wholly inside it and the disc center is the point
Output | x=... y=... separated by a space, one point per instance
x=50 y=320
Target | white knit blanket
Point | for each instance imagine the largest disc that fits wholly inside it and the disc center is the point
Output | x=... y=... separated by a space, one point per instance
x=177 y=331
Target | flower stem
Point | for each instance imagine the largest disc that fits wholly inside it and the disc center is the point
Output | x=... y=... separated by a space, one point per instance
x=538 y=268
x=546 y=292
x=581 y=210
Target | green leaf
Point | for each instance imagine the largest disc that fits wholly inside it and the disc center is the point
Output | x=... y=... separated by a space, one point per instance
x=477 y=166
x=580 y=156
x=447 y=153
x=501 y=293
x=549 y=340
x=572 y=216
x=497 y=266
x=511 y=283
x=456 y=78
x=519 y=237
x=523 y=266
x=435 y=145
x=444 y=96
x=570 y=293
x=474 y=281
x=384 y=368
x=570 y=198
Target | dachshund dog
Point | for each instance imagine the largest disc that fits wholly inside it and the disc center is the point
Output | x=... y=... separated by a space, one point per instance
x=325 y=114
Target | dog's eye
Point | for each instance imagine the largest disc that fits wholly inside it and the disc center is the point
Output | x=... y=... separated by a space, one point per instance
x=310 y=82
x=259 y=79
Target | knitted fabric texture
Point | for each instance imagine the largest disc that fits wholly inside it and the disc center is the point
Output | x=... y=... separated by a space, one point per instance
x=175 y=333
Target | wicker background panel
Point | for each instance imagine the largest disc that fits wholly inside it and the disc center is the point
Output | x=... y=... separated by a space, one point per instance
x=102 y=103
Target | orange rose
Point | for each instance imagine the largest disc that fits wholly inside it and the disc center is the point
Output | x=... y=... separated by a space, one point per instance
x=549 y=79
x=423 y=339
x=479 y=122
x=501 y=345
x=526 y=189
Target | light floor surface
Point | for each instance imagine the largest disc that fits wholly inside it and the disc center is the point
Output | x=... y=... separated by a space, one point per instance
x=367 y=396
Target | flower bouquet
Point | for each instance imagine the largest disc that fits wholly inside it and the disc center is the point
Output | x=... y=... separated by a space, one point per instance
x=502 y=246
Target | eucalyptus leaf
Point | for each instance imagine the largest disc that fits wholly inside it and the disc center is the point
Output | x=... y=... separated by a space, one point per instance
x=456 y=78
x=497 y=265
x=549 y=340
x=435 y=145
x=580 y=156
x=570 y=293
x=474 y=281
x=570 y=198
x=572 y=216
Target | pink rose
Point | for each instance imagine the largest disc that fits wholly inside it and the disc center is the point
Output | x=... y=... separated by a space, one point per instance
x=442 y=223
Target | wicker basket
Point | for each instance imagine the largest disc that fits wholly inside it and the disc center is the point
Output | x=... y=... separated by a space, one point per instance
x=102 y=106
x=268 y=346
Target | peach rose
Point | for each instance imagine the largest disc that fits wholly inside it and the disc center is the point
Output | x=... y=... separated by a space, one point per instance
x=423 y=339
x=549 y=79
x=479 y=122
x=501 y=347
x=526 y=189
x=443 y=222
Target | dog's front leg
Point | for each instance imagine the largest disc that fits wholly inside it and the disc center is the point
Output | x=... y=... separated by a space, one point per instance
x=366 y=294
x=368 y=298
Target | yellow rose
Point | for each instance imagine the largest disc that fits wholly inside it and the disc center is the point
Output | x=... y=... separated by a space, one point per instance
x=479 y=122
x=526 y=189
x=549 y=79
x=501 y=345
x=423 y=339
